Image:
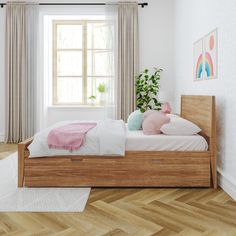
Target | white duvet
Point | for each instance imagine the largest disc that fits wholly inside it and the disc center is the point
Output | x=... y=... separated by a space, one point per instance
x=107 y=138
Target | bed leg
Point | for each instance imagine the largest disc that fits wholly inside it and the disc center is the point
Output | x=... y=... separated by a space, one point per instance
x=21 y=163
x=213 y=147
x=22 y=155
x=214 y=172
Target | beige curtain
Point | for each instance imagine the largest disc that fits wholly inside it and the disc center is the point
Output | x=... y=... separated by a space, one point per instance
x=20 y=71
x=128 y=58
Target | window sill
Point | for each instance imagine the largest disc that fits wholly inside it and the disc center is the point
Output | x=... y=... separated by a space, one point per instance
x=76 y=107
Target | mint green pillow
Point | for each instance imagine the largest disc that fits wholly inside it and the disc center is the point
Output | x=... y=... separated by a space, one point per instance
x=135 y=120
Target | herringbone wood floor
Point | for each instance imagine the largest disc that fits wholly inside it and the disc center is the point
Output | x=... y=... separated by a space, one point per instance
x=137 y=212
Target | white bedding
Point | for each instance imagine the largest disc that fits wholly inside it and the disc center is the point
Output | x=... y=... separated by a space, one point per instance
x=137 y=141
x=113 y=138
x=107 y=138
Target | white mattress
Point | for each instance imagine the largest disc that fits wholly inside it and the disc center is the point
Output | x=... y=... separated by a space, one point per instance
x=107 y=138
x=137 y=141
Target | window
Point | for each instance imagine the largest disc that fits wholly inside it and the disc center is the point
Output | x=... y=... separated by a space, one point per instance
x=80 y=60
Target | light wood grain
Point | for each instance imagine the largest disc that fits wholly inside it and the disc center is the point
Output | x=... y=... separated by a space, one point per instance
x=134 y=212
x=7 y=149
x=21 y=160
x=201 y=110
x=137 y=169
x=151 y=211
x=165 y=169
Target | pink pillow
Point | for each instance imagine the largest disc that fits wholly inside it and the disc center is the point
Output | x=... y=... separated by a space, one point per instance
x=153 y=121
x=148 y=113
x=165 y=108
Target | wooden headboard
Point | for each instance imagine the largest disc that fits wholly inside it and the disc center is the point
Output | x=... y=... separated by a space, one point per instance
x=201 y=111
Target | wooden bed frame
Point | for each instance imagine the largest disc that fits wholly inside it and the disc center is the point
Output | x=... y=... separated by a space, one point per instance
x=136 y=168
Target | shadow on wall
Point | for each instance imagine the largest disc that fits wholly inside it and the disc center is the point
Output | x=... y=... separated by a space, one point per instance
x=220 y=124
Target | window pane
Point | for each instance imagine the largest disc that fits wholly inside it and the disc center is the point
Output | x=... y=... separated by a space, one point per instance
x=97 y=35
x=90 y=87
x=69 y=90
x=69 y=63
x=93 y=83
x=99 y=63
x=69 y=36
x=91 y=91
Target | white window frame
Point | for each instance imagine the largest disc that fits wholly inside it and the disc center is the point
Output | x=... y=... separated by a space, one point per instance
x=84 y=59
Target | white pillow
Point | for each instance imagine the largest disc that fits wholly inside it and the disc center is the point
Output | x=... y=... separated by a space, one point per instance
x=179 y=126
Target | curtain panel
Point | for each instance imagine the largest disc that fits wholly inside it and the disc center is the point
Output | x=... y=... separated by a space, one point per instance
x=21 y=70
x=128 y=58
x=123 y=38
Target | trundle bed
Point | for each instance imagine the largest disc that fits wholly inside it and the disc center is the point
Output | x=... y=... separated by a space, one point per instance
x=136 y=168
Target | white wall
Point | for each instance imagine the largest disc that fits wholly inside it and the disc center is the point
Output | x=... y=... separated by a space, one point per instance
x=194 y=19
x=157 y=39
x=156 y=49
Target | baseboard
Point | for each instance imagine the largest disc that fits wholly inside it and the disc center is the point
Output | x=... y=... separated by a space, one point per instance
x=227 y=185
x=2 y=136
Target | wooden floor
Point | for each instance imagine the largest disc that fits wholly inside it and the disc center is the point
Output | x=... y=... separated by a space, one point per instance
x=137 y=212
x=7 y=149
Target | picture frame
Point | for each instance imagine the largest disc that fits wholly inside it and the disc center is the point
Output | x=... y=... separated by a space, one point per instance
x=198 y=60
x=211 y=55
x=206 y=57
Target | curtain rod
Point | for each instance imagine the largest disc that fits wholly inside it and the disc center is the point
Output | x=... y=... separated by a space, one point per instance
x=142 y=4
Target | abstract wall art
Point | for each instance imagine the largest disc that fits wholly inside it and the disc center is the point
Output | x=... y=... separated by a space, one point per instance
x=205 y=57
x=198 y=60
x=210 y=50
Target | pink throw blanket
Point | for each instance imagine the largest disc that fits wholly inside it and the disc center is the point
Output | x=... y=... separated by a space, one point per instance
x=70 y=137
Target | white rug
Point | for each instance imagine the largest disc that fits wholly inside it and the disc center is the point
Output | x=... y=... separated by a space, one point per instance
x=17 y=199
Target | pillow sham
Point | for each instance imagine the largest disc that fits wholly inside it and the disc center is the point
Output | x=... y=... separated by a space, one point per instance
x=179 y=126
x=135 y=120
x=153 y=121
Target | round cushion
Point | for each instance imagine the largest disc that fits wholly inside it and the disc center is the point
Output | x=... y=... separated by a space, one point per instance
x=135 y=120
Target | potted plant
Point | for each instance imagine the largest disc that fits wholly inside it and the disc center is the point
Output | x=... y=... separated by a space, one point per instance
x=147 y=88
x=92 y=99
x=102 y=89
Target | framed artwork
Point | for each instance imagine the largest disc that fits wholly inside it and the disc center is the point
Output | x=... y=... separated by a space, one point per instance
x=198 y=60
x=205 y=57
x=210 y=50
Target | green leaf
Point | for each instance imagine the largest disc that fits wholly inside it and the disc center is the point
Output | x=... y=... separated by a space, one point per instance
x=155 y=100
x=147 y=87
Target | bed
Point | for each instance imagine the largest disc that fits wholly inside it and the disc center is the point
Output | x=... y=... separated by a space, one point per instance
x=141 y=166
